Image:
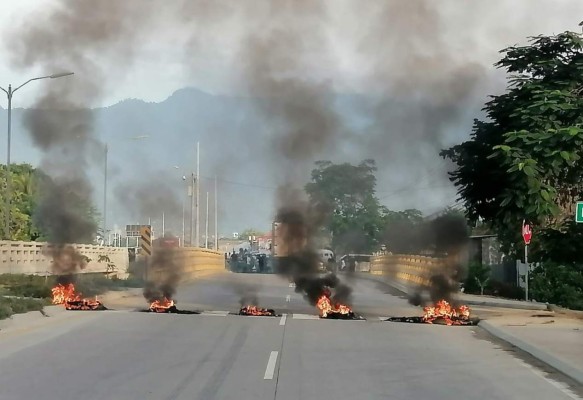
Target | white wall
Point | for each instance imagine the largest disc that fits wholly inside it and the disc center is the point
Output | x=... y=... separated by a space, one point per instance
x=30 y=258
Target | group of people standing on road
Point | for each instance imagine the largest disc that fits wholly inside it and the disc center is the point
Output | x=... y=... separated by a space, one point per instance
x=245 y=261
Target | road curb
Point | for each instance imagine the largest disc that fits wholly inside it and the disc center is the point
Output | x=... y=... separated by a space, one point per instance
x=560 y=365
x=517 y=306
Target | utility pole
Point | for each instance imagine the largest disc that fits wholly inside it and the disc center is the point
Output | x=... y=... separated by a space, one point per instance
x=206 y=227
x=163 y=224
x=197 y=244
x=183 y=222
x=183 y=212
x=191 y=194
x=105 y=193
x=216 y=218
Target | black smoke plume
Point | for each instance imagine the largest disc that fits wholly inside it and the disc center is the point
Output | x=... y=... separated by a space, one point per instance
x=66 y=38
x=445 y=237
x=299 y=111
x=299 y=261
x=164 y=270
x=247 y=294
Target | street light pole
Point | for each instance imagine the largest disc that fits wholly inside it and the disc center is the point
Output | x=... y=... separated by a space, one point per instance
x=8 y=173
x=9 y=94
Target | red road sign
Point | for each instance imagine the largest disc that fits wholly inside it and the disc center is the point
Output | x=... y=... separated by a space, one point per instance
x=526 y=232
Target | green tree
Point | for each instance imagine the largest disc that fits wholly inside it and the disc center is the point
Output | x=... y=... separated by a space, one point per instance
x=25 y=223
x=345 y=193
x=478 y=277
x=524 y=160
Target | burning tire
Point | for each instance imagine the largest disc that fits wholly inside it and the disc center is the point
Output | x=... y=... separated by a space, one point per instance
x=441 y=313
x=257 y=311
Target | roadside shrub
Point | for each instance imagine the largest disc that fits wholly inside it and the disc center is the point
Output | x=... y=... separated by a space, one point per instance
x=94 y=284
x=478 y=278
x=9 y=306
x=40 y=287
x=558 y=283
x=26 y=285
x=5 y=311
x=31 y=290
x=479 y=282
x=504 y=289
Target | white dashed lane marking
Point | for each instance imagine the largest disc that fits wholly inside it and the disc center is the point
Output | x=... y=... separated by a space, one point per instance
x=269 y=371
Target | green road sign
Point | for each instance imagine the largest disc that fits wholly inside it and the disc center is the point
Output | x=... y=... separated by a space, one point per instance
x=579 y=214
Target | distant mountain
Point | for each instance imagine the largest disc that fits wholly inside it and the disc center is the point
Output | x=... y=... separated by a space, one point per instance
x=236 y=146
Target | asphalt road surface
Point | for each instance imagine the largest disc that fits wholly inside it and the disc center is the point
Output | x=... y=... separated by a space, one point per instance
x=126 y=354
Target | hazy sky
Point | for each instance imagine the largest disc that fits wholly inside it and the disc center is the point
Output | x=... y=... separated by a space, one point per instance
x=431 y=58
x=159 y=68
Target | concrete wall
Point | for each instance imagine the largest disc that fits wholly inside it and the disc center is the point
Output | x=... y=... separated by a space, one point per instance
x=195 y=263
x=407 y=270
x=29 y=258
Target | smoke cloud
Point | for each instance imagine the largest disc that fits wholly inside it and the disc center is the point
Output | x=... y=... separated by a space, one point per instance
x=165 y=268
x=299 y=261
x=152 y=195
x=447 y=237
x=423 y=82
x=68 y=38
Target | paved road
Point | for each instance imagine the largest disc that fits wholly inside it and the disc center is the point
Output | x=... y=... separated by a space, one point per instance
x=125 y=354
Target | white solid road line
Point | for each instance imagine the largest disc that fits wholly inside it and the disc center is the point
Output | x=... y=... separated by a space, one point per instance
x=305 y=316
x=270 y=365
x=288 y=298
x=215 y=313
x=292 y=285
x=283 y=319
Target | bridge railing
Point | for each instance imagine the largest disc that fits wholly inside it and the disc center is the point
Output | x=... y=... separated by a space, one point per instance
x=191 y=261
x=410 y=270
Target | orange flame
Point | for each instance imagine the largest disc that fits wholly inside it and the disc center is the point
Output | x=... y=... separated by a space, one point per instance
x=442 y=310
x=161 y=306
x=65 y=294
x=326 y=307
x=254 y=310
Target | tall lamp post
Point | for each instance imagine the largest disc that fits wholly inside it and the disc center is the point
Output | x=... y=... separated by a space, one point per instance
x=9 y=94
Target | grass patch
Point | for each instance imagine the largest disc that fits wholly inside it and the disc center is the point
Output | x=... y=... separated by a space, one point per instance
x=94 y=284
x=12 y=305
x=40 y=286
x=26 y=285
